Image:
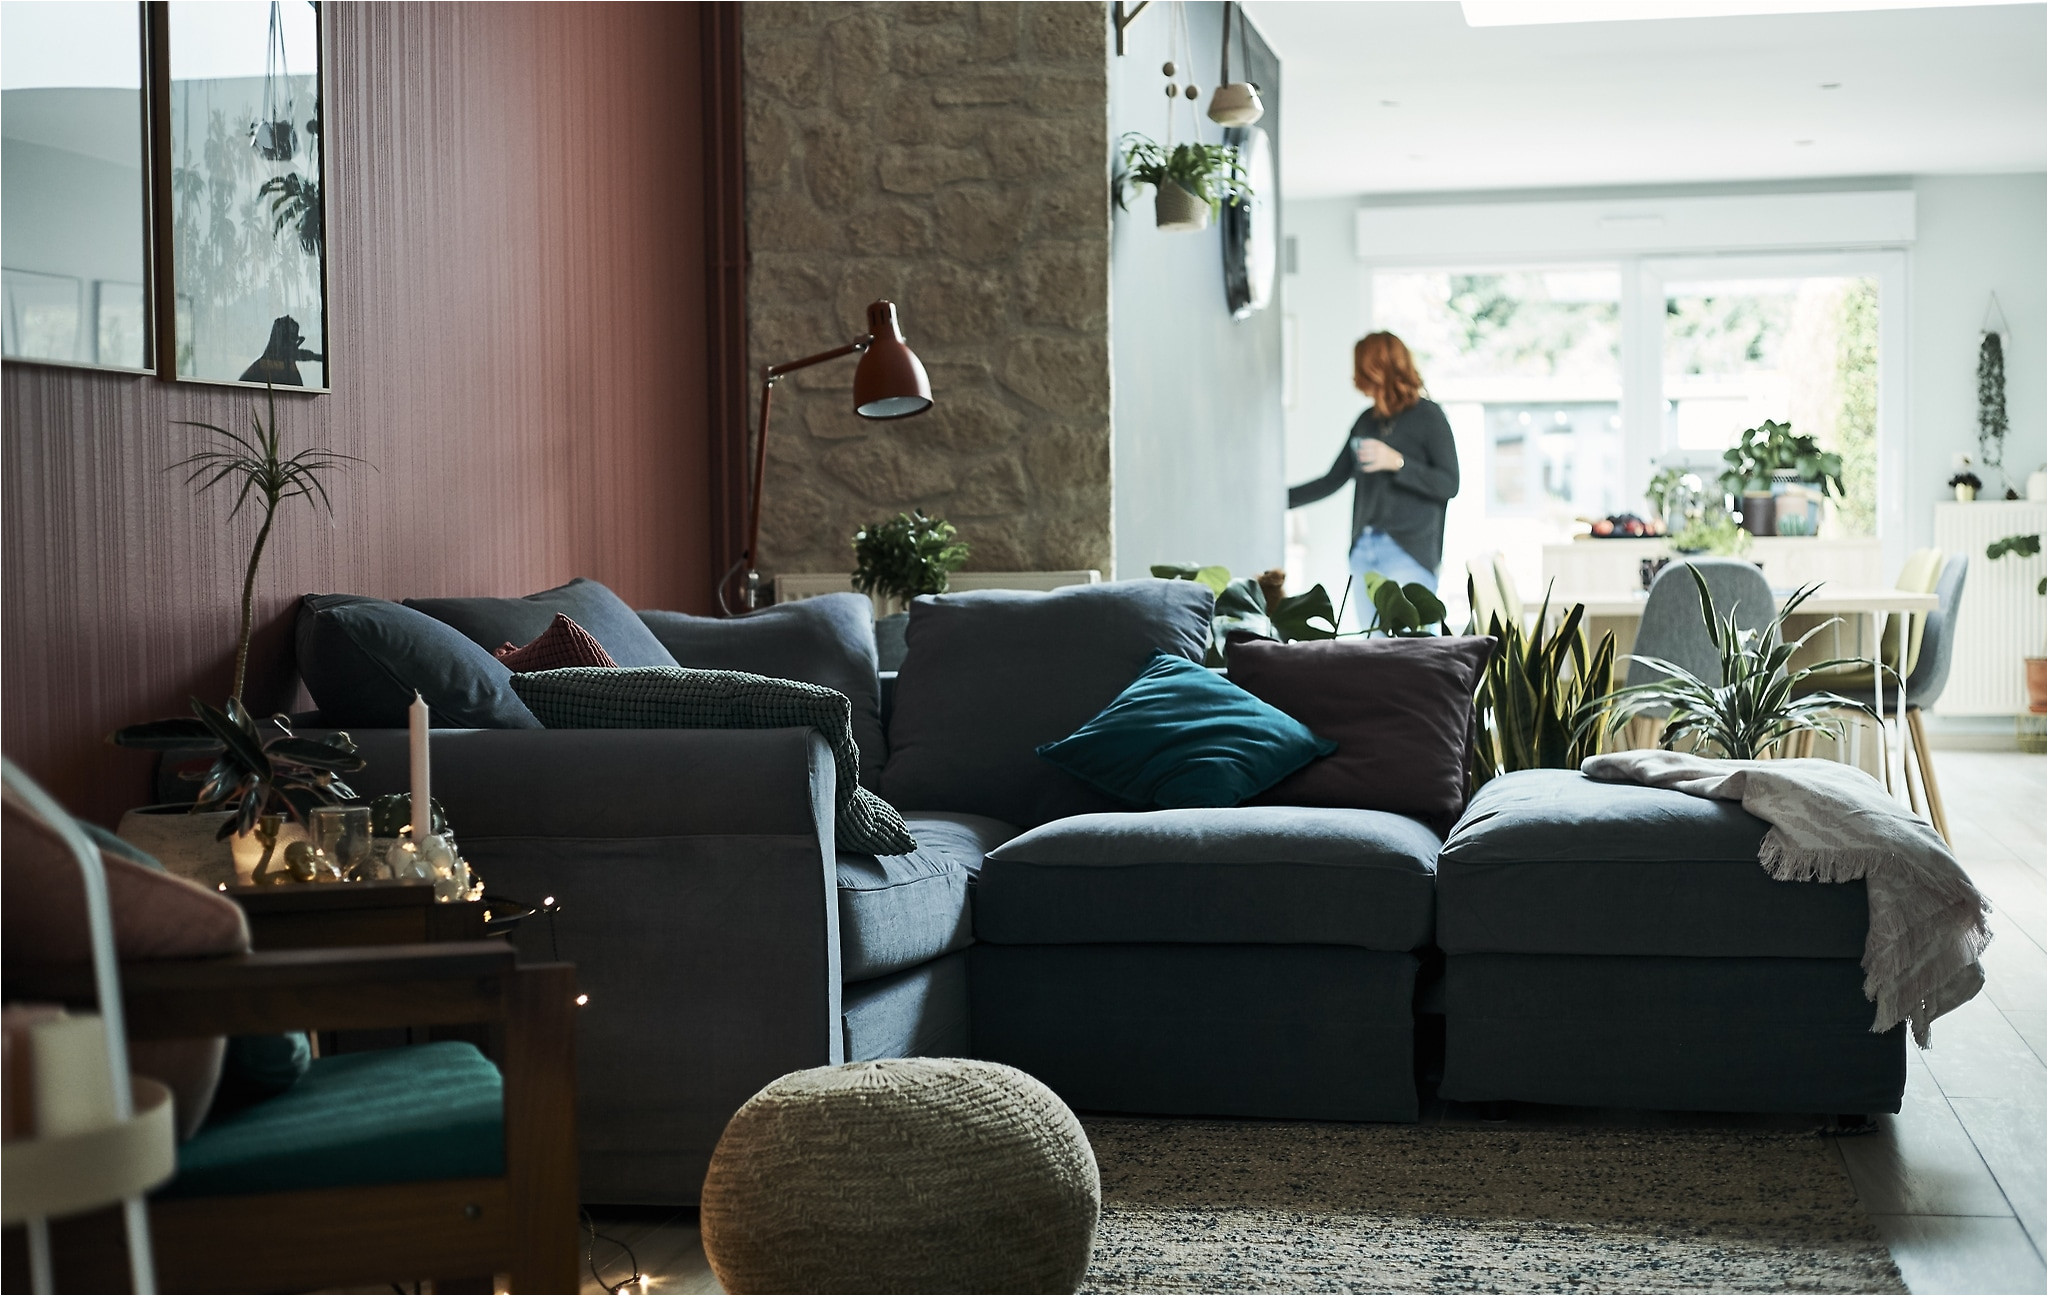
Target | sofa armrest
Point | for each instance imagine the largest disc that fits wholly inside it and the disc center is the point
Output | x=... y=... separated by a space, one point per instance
x=695 y=891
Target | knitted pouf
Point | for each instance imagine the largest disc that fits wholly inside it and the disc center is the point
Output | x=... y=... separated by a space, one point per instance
x=904 y=1175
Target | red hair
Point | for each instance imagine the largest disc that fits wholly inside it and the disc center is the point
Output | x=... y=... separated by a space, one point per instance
x=1383 y=368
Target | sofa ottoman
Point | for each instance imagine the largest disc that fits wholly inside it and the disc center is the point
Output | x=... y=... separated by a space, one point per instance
x=1250 y=961
x=1612 y=945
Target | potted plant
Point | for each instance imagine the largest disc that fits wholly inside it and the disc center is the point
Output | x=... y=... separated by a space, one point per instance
x=261 y=776
x=1966 y=485
x=908 y=555
x=1767 y=461
x=1755 y=704
x=2027 y=546
x=1540 y=700
x=1717 y=533
x=254 y=466
x=1190 y=182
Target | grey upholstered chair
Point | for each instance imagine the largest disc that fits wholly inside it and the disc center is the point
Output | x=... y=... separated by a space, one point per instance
x=1672 y=627
x=1923 y=686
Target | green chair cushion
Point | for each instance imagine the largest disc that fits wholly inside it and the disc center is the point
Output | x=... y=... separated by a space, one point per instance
x=432 y=1111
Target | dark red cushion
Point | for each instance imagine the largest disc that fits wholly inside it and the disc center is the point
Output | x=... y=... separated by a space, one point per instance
x=563 y=643
x=1399 y=710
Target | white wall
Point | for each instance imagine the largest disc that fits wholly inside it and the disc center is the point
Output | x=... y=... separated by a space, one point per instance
x=1976 y=235
x=1198 y=438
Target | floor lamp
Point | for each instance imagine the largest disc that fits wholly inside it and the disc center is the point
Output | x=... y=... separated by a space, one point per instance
x=889 y=383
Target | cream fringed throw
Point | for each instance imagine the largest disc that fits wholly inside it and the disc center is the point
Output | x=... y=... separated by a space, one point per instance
x=1834 y=823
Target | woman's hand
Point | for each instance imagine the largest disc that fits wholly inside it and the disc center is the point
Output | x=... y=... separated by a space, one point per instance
x=1375 y=455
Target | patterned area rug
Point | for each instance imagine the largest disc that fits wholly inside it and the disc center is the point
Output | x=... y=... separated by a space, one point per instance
x=1252 y=1206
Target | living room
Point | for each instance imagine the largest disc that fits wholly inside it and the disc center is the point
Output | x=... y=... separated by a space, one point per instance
x=575 y=305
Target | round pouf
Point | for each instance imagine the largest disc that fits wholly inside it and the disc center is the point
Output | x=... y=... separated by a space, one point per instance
x=903 y=1175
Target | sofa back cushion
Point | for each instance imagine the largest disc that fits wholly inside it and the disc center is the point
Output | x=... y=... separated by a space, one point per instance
x=1399 y=710
x=828 y=641
x=991 y=675
x=490 y=622
x=364 y=658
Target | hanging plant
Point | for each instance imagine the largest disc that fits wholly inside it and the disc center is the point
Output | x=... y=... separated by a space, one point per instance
x=1191 y=182
x=1991 y=402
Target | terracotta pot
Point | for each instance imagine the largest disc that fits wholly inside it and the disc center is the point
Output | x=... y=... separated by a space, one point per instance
x=1176 y=209
x=2037 y=685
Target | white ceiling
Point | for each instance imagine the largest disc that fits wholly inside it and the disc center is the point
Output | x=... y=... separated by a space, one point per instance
x=1392 y=96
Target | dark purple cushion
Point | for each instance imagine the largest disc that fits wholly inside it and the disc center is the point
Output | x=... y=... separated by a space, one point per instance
x=1399 y=710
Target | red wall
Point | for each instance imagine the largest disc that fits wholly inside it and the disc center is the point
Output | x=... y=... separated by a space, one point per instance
x=517 y=317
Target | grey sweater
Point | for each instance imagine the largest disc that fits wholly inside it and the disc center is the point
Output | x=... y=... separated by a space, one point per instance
x=1408 y=505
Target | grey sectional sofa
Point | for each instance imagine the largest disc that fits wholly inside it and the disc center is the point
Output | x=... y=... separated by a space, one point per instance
x=1599 y=945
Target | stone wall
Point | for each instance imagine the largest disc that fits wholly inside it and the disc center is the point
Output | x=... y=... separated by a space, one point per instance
x=954 y=159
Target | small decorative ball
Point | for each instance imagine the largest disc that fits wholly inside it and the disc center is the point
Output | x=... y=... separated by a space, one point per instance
x=1171 y=89
x=1193 y=91
x=1166 y=68
x=902 y=1175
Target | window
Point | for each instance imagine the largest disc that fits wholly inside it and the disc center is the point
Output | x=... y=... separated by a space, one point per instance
x=1569 y=385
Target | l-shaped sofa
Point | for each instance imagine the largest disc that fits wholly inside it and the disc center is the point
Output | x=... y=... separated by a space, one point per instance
x=1581 y=943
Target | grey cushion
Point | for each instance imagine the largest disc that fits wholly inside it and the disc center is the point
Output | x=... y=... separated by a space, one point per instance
x=1244 y=874
x=1551 y=862
x=492 y=622
x=651 y=697
x=919 y=1012
x=992 y=674
x=364 y=658
x=896 y=911
x=828 y=641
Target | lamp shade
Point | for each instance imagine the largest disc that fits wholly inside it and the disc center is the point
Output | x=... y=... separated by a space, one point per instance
x=890 y=382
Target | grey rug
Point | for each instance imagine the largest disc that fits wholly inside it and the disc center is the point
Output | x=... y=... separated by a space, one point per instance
x=1270 y=1206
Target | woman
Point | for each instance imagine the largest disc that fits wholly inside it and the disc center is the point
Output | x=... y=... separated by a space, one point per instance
x=1404 y=463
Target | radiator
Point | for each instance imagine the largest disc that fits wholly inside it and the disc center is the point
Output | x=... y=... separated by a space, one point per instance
x=2001 y=618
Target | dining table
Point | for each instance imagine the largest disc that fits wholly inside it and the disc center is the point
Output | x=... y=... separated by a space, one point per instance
x=1871 y=606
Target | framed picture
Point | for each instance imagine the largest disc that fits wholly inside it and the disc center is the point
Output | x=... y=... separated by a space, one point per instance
x=75 y=237
x=241 y=191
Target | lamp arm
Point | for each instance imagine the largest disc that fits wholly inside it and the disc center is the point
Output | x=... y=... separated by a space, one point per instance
x=769 y=374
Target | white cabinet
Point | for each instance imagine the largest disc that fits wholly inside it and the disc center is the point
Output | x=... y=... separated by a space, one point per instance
x=2001 y=618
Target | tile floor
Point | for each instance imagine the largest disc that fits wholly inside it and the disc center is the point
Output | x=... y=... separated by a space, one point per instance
x=1954 y=1182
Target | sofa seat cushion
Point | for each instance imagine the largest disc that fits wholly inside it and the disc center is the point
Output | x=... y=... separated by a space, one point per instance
x=405 y=1115
x=1551 y=862
x=1274 y=875
x=897 y=911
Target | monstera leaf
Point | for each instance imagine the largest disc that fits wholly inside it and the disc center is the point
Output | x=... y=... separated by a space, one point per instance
x=1403 y=611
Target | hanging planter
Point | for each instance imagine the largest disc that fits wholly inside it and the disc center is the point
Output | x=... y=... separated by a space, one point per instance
x=1175 y=209
x=1189 y=183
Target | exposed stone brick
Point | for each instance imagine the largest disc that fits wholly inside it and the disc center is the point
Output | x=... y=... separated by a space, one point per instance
x=954 y=159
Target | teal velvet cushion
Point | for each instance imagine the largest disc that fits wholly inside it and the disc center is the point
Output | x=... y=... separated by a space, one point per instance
x=1180 y=736
x=432 y=1111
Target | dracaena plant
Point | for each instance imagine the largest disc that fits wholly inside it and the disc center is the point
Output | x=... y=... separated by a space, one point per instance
x=256 y=467
x=1757 y=702
x=1541 y=698
x=258 y=768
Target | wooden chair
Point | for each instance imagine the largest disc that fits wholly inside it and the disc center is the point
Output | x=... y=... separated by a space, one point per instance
x=459 y=1231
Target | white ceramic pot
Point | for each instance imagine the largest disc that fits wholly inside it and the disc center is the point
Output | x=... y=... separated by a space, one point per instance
x=1236 y=104
x=185 y=845
x=1964 y=494
x=1176 y=209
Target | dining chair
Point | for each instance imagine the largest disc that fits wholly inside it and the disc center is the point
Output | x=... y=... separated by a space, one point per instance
x=1673 y=628
x=1930 y=651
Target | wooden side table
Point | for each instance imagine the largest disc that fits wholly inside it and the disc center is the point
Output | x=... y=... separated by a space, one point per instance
x=313 y=915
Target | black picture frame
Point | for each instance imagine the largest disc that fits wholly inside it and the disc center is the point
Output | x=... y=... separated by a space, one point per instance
x=241 y=213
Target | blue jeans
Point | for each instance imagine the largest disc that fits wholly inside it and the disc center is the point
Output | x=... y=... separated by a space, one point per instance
x=1376 y=551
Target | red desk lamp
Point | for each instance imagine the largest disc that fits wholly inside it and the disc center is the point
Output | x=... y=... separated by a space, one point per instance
x=890 y=383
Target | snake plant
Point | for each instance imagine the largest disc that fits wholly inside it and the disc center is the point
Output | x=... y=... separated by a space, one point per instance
x=1542 y=695
x=1755 y=705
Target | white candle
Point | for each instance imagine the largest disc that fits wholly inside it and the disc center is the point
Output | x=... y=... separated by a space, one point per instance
x=422 y=787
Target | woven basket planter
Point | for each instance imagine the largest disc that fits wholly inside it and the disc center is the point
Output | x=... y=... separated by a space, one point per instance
x=1174 y=208
x=904 y=1175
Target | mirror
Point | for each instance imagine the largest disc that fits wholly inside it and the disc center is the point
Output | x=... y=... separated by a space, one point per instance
x=245 y=149
x=74 y=198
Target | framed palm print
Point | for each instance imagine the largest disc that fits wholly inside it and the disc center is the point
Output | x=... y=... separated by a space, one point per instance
x=241 y=191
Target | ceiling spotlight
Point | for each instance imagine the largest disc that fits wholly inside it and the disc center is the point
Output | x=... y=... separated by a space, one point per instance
x=1390 y=103
x=1802 y=143
x=1831 y=85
